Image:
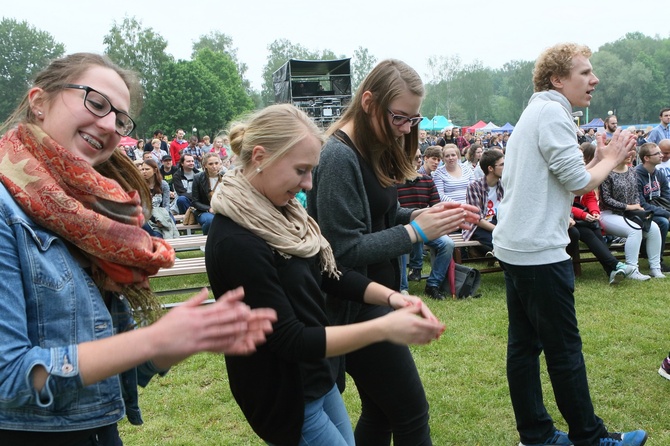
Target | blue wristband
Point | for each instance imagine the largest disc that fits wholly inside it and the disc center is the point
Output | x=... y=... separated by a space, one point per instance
x=419 y=231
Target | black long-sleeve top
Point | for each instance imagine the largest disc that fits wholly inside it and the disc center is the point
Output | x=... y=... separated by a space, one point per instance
x=272 y=385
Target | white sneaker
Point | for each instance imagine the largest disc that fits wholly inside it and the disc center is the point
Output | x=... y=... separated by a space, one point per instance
x=616 y=276
x=637 y=275
x=656 y=273
x=627 y=269
x=404 y=292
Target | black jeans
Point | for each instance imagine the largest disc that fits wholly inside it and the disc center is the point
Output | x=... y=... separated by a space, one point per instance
x=594 y=240
x=483 y=236
x=541 y=311
x=392 y=397
x=103 y=436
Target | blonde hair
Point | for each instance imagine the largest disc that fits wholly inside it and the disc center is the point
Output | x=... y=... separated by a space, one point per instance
x=556 y=61
x=448 y=147
x=277 y=128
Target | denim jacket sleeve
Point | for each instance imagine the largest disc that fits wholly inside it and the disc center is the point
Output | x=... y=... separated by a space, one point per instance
x=21 y=280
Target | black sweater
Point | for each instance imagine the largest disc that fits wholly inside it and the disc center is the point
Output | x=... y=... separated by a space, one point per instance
x=272 y=385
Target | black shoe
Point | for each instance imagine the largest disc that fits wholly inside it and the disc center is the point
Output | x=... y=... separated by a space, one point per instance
x=665 y=268
x=414 y=275
x=434 y=293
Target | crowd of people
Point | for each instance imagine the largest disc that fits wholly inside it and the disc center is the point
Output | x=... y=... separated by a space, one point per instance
x=306 y=291
x=180 y=179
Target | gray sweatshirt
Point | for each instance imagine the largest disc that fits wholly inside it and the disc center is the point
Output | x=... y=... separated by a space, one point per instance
x=543 y=164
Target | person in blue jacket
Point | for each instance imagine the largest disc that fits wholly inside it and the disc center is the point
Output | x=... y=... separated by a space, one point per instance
x=74 y=263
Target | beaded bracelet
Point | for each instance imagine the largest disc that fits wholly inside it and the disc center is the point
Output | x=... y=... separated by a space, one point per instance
x=419 y=231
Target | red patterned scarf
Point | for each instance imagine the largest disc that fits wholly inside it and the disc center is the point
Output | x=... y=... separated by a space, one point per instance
x=66 y=195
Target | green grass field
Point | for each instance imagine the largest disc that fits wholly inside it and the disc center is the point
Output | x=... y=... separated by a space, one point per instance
x=623 y=330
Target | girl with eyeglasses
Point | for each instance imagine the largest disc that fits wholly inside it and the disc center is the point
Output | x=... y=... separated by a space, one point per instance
x=354 y=199
x=75 y=262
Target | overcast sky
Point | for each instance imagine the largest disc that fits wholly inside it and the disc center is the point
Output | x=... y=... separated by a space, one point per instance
x=491 y=31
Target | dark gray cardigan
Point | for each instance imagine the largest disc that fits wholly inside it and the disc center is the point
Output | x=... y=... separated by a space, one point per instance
x=339 y=203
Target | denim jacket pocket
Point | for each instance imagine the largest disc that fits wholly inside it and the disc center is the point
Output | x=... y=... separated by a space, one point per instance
x=49 y=266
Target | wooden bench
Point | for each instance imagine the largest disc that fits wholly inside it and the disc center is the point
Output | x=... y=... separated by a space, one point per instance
x=458 y=255
x=188 y=242
x=176 y=304
x=188 y=229
x=576 y=255
x=617 y=249
x=181 y=267
x=182 y=228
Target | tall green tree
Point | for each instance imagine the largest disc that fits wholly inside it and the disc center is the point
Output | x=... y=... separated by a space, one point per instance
x=141 y=49
x=442 y=71
x=219 y=42
x=473 y=91
x=226 y=71
x=363 y=62
x=24 y=51
x=633 y=74
x=190 y=95
x=517 y=87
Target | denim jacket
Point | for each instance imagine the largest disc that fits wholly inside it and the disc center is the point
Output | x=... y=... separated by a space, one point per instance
x=49 y=306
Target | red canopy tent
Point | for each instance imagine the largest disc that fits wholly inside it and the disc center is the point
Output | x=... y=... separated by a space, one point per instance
x=127 y=141
x=473 y=128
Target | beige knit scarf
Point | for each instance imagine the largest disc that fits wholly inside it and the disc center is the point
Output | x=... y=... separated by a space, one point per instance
x=290 y=230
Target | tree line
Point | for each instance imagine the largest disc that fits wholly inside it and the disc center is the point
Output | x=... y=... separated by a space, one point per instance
x=211 y=89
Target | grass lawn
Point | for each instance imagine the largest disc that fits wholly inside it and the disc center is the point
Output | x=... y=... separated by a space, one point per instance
x=463 y=373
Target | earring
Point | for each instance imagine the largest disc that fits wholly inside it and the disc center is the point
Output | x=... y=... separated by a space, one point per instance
x=39 y=113
x=258 y=170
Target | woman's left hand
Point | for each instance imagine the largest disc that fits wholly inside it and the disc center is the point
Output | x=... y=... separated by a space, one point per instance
x=398 y=301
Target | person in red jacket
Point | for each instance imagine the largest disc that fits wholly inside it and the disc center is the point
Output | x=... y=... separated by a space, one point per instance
x=585 y=227
x=177 y=145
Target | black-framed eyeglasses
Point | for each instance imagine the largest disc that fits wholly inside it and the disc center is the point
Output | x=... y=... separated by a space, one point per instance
x=655 y=154
x=100 y=105
x=399 y=120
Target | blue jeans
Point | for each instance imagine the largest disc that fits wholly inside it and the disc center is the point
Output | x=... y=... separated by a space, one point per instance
x=415 y=259
x=327 y=422
x=541 y=311
x=183 y=203
x=404 y=286
x=416 y=256
x=444 y=248
x=205 y=220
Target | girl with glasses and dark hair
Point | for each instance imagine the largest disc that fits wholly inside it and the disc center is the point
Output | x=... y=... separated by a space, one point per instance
x=75 y=263
x=354 y=200
x=287 y=389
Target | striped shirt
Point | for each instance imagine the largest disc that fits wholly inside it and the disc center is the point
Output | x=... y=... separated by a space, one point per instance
x=418 y=193
x=452 y=188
